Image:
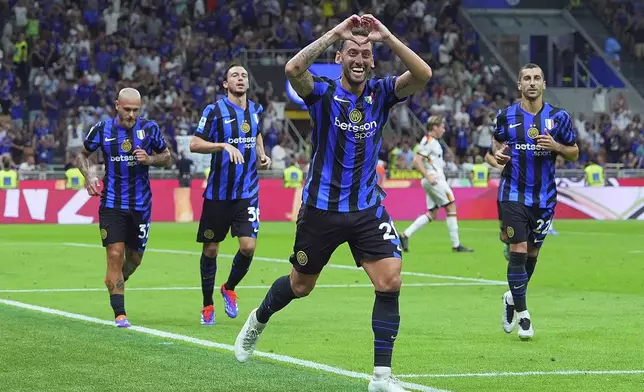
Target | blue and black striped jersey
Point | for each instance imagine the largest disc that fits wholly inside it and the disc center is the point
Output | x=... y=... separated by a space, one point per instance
x=225 y=122
x=346 y=138
x=126 y=185
x=529 y=177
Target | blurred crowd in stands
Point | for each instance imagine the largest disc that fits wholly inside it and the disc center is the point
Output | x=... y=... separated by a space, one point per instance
x=62 y=63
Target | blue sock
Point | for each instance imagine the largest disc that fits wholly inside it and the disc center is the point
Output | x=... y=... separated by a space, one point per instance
x=118 y=304
x=518 y=279
x=241 y=264
x=385 y=321
x=279 y=295
x=208 y=272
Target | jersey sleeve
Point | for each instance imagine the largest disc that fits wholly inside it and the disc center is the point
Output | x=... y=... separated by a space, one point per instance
x=320 y=86
x=389 y=88
x=566 y=133
x=157 y=141
x=501 y=126
x=424 y=150
x=93 y=138
x=208 y=118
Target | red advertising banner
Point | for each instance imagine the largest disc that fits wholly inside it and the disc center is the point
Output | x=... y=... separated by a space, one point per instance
x=46 y=202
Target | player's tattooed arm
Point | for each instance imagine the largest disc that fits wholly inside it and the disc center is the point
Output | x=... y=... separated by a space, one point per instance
x=297 y=68
x=83 y=163
x=92 y=183
x=163 y=159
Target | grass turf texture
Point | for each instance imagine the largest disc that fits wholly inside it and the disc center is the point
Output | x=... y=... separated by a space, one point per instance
x=586 y=299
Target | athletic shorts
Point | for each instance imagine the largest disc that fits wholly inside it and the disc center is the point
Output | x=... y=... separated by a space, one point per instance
x=240 y=216
x=439 y=195
x=128 y=226
x=370 y=233
x=522 y=223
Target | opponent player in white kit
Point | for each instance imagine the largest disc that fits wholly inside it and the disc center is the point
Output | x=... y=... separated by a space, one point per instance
x=429 y=162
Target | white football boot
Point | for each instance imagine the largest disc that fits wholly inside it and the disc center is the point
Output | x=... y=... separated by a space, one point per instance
x=247 y=339
x=508 y=318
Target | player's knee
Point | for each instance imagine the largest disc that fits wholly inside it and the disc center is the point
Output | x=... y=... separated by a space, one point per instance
x=133 y=258
x=388 y=283
x=247 y=250
x=114 y=255
x=302 y=289
x=521 y=247
x=210 y=250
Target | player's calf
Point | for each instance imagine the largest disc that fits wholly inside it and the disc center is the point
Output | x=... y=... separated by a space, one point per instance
x=208 y=271
x=114 y=280
x=239 y=269
x=132 y=262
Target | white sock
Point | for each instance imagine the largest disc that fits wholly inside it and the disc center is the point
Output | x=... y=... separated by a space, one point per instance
x=418 y=223
x=452 y=227
x=381 y=372
x=523 y=314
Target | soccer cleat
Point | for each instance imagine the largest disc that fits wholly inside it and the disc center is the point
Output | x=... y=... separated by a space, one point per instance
x=553 y=232
x=509 y=315
x=461 y=248
x=121 y=322
x=526 y=332
x=389 y=384
x=230 y=301
x=404 y=243
x=247 y=339
x=208 y=315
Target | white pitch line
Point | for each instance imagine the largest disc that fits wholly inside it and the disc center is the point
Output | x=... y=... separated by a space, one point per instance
x=209 y=343
x=275 y=260
x=320 y=286
x=534 y=373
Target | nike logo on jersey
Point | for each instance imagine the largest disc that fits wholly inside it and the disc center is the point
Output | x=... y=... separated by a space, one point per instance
x=514 y=125
x=110 y=139
x=340 y=99
x=229 y=120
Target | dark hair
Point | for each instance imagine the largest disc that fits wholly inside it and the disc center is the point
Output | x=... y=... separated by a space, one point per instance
x=231 y=65
x=530 y=66
x=356 y=31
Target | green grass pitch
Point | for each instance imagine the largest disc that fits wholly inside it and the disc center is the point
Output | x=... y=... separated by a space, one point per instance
x=586 y=299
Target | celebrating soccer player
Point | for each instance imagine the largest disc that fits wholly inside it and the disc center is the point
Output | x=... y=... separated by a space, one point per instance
x=127 y=142
x=528 y=137
x=429 y=162
x=229 y=130
x=341 y=198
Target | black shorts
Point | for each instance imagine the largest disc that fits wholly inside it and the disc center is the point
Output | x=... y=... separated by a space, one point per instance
x=240 y=216
x=370 y=233
x=522 y=223
x=498 y=210
x=128 y=226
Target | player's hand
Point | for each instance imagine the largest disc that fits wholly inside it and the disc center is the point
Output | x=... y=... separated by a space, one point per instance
x=93 y=186
x=343 y=30
x=432 y=179
x=378 y=32
x=501 y=157
x=264 y=162
x=546 y=141
x=141 y=156
x=235 y=155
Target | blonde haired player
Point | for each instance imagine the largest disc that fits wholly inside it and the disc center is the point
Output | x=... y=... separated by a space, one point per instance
x=430 y=163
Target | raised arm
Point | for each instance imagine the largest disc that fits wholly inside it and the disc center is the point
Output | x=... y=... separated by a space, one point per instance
x=418 y=71
x=297 y=68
